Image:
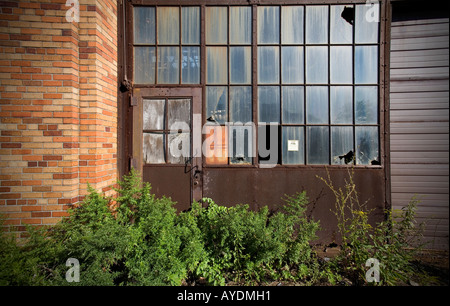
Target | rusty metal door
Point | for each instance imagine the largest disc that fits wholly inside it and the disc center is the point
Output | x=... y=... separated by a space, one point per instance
x=167 y=142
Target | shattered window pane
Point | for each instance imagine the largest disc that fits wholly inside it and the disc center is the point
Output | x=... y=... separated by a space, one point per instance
x=342 y=145
x=367 y=146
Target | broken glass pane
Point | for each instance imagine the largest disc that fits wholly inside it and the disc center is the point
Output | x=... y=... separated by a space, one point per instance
x=241 y=144
x=168 y=25
x=179 y=148
x=366 y=105
x=190 y=33
x=153 y=114
x=241 y=104
x=240 y=25
x=367 y=147
x=144 y=25
x=216 y=65
x=144 y=65
x=268 y=25
x=341 y=29
x=341 y=65
x=292 y=65
x=154 y=148
x=318 y=148
x=240 y=65
x=317 y=105
x=190 y=65
x=366 y=64
x=293 y=104
x=316 y=24
x=216 y=25
x=268 y=65
x=217 y=105
x=341 y=100
x=317 y=65
x=168 y=65
x=342 y=145
x=268 y=104
x=179 y=111
x=293 y=145
x=292 y=25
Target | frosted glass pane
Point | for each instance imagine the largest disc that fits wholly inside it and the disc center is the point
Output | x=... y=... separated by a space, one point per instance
x=367 y=148
x=216 y=25
x=341 y=62
x=318 y=145
x=144 y=25
x=293 y=104
x=144 y=65
x=216 y=65
x=168 y=25
x=366 y=65
x=240 y=65
x=366 y=105
x=268 y=104
x=317 y=105
x=292 y=25
x=240 y=144
x=154 y=148
x=240 y=25
x=153 y=114
x=366 y=23
x=317 y=65
x=292 y=65
x=268 y=65
x=217 y=104
x=293 y=146
x=190 y=27
x=342 y=145
x=241 y=104
x=168 y=65
x=179 y=111
x=316 y=24
x=341 y=99
x=268 y=25
x=341 y=30
x=190 y=65
x=179 y=146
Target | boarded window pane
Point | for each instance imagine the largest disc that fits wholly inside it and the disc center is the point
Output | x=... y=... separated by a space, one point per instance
x=144 y=25
x=241 y=104
x=366 y=105
x=366 y=65
x=216 y=25
x=190 y=65
x=168 y=25
x=144 y=65
x=240 y=25
x=317 y=65
x=190 y=33
x=341 y=62
x=342 y=145
x=293 y=146
x=292 y=65
x=318 y=152
x=341 y=100
x=366 y=23
x=217 y=104
x=292 y=25
x=240 y=144
x=179 y=111
x=341 y=30
x=316 y=24
x=168 y=65
x=268 y=104
x=293 y=104
x=268 y=25
x=153 y=114
x=154 y=148
x=317 y=105
x=216 y=65
x=240 y=65
x=179 y=145
x=268 y=65
x=367 y=148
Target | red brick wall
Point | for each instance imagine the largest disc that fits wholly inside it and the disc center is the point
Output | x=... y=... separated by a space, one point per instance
x=58 y=107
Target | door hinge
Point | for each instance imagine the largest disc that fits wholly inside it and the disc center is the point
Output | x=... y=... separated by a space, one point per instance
x=133 y=100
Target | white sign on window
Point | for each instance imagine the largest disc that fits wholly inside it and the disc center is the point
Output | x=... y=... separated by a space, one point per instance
x=293 y=145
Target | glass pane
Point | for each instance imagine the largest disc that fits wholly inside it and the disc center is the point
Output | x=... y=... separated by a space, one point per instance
x=269 y=104
x=293 y=104
x=168 y=25
x=317 y=65
x=144 y=65
x=241 y=104
x=317 y=105
x=153 y=114
x=367 y=149
x=217 y=104
x=216 y=145
x=240 y=65
x=268 y=25
x=366 y=65
x=293 y=146
x=341 y=30
x=318 y=147
x=144 y=25
x=366 y=23
x=341 y=101
x=179 y=111
x=190 y=65
x=341 y=62
x=179 y=148
x=216 y=25
x=269 y=150
x=190 y=28
x=292 y=25
x=366 y=105
x=154 y=148
x=168 y=65
x=268 y=65
x=292 y=65
x=316 y=24
x=342 y=145
x=241 y=144
x=216 y=65
x=240 y=25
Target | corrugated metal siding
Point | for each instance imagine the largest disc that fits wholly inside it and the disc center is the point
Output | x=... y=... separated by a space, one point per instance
x=419 y=112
